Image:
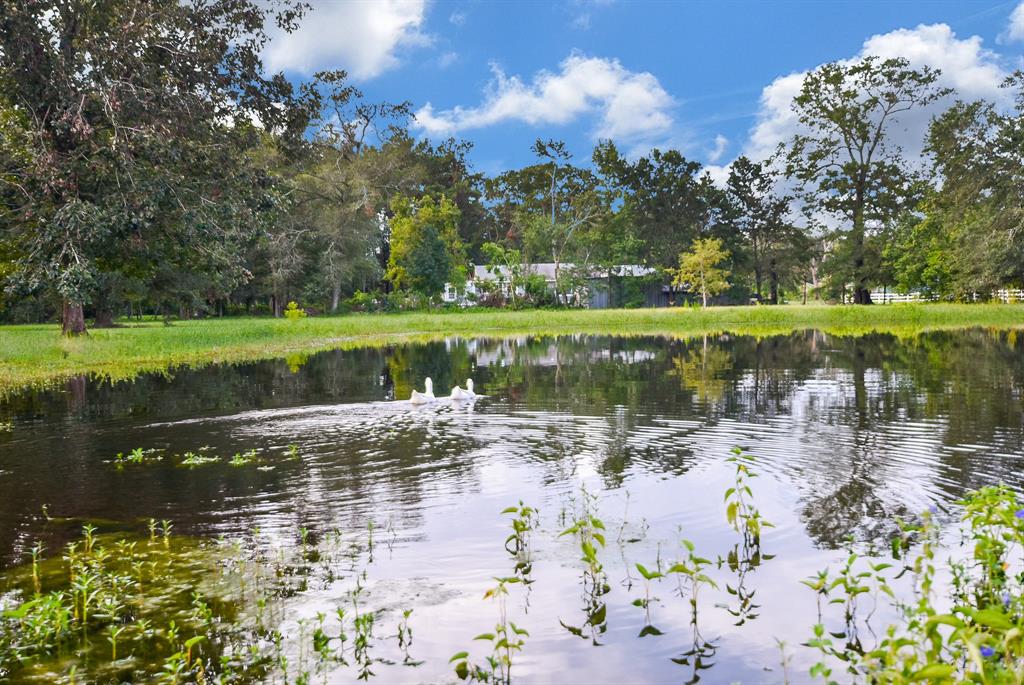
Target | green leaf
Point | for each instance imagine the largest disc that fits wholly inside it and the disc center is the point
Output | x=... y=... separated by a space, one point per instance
x=933 y=672
x=946 y=620
x=647 y=574
x=649 y=630
x=992 y=618
x=460 y=655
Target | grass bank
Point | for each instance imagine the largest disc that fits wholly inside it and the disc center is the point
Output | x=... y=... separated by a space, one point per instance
x=37 y=354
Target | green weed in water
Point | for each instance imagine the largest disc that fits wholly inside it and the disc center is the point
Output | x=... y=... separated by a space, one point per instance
x=193 y=459
x=589 y=530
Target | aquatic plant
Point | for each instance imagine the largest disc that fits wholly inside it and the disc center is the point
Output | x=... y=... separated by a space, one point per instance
x=589 y=531
x=193 y=459
x=974 y=635
x=506 y=640
x=243 y=458
x=645 y=603
x=137 y=456
x=404 y=636
x=524 y=520
x=740 y=511
x=746 y=555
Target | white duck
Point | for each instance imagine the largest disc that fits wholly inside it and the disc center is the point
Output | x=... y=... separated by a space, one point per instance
x=426 y=397
x=467 y=394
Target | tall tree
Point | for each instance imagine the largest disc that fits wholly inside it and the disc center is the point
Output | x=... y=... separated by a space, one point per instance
x=668 y=201
x=972 y=232
x=776 y=247
x=549 y=208
x=845 y=160
x=135 y=114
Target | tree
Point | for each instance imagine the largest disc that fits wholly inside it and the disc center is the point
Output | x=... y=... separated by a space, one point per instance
x=845 y=161
x=777 y=248
x=972 y=231
x=549 y=207
x=699 y=268
x=666 y=199
x=136 y=116
x=507 y=266
x=426 y=251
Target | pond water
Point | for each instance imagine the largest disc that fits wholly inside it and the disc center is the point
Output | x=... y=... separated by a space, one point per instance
x=849 y=434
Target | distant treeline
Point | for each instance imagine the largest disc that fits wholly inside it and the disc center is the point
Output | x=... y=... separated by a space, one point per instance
x=149 y=165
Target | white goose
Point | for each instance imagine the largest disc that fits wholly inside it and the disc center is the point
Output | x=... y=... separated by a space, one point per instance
x=467 y=394
x=426 y=397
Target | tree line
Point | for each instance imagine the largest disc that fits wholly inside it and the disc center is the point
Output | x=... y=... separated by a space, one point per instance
x=149 y=164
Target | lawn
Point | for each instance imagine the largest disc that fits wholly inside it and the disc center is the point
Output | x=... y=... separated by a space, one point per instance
x=37 y=354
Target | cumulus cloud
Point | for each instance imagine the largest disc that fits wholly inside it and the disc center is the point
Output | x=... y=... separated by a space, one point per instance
x=360 y=37
x=1015 y=28
x=971 y=70
x=630 y=106
x=457 y=18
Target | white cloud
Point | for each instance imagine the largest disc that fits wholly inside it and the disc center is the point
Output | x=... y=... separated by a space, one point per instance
x=973 y=71
x=630 y=106
x=360 y=37
x=447 y=59
x=1015 y=27
x=721 y=145
x=457 y=18
x=581 y=22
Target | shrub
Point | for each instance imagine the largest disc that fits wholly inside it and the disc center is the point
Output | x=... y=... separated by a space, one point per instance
x=293 y=312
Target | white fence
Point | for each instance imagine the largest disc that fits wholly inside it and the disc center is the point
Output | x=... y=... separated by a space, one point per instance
x=1006 y=295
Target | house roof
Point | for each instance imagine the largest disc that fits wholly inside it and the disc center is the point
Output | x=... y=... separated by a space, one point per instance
x=485 y=272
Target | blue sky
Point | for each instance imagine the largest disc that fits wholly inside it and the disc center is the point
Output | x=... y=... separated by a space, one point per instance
x=712 y=79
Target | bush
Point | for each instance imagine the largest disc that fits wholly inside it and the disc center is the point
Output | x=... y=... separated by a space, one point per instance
x=971 y=630
x=363 y=302
x=292 y=312
x=537 y=291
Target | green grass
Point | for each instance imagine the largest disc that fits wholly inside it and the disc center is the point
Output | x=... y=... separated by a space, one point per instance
x=37 y=354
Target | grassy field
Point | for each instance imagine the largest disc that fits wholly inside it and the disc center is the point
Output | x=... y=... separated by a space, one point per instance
x=37 y=354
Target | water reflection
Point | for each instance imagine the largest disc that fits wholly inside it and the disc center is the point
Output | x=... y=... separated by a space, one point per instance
x=849 y=431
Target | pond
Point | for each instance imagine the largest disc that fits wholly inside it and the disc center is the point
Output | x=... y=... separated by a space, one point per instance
x=850 y=433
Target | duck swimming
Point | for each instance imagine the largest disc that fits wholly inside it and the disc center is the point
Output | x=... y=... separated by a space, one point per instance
x=426 y=397
x=467 y=394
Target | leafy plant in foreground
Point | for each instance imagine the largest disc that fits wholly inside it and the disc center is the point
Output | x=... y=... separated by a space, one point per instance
x=974 y=635
x=506 y=639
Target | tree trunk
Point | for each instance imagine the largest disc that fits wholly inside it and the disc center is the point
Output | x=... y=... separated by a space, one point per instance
x=104 y=317
x=861 y=294
x=335 y=296
x=773 y=285
x=72 y=318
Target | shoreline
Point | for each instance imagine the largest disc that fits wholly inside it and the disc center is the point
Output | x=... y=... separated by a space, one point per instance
x=35 y=355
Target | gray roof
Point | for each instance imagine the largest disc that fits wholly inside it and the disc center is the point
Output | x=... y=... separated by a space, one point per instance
x=485 y=272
